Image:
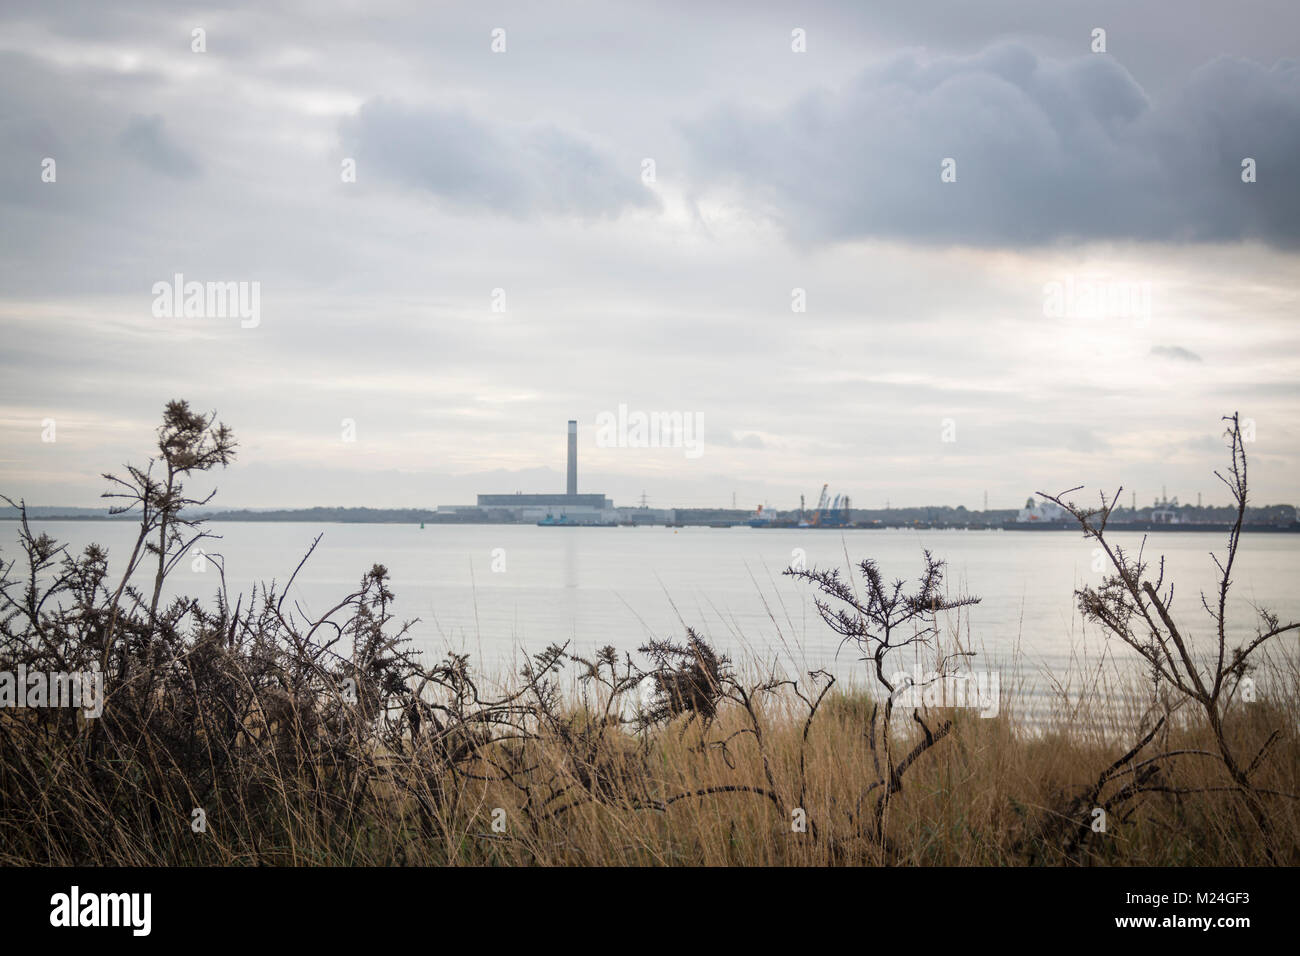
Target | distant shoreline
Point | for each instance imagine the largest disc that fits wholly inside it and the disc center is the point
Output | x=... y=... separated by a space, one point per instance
x=378 y=516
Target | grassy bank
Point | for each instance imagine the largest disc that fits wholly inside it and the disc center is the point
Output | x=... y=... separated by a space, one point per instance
x=296 y=788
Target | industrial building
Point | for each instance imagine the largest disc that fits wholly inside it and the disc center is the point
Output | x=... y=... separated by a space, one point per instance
x=568 y=508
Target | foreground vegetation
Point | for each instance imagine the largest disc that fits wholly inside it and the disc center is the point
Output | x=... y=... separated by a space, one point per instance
x=246 y=733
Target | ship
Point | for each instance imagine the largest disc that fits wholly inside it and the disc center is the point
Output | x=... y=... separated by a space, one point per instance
x=564 y=521
x=552 y=521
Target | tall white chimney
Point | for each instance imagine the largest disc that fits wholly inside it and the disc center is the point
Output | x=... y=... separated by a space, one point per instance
x=573 y=458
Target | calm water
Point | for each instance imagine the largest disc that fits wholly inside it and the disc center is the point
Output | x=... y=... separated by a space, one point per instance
x=619 y=586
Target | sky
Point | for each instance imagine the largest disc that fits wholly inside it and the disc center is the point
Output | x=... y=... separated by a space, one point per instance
x=924 y=252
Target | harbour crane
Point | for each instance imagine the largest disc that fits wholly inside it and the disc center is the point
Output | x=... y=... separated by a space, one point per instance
x=821 y=504
x=815 y=519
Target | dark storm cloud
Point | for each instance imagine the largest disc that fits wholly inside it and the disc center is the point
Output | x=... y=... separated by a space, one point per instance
x=477 y=165
x=1045 y=150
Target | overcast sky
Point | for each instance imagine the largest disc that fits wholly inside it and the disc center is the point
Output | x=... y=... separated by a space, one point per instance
x=927 y=302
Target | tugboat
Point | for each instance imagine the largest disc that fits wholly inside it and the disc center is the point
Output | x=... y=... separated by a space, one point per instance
x=551 y=521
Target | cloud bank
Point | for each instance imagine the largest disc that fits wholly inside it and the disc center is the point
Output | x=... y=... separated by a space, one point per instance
x=1044 y=150
x=475 y=165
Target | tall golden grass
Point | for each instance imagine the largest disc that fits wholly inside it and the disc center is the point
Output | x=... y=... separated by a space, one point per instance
x=994 y=792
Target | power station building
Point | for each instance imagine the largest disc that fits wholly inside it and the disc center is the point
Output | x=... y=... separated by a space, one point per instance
x=570 y=506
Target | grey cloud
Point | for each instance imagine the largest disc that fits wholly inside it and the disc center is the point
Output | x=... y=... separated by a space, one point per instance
x=1256 y=390
x=477 y=165
x=147 y=139
x=1045 y=150
x=734 y=439
x=1175 y=352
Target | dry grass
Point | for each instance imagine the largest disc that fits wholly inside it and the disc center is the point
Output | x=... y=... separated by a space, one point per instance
x=989 y=794
x=993 y=792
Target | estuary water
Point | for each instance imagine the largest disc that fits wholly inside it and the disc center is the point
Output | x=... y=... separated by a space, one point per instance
x=497 y=592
